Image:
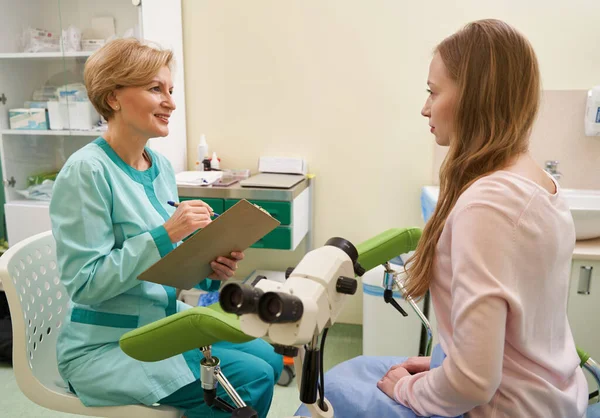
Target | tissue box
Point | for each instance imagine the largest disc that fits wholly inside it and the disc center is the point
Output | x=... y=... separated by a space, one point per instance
x=72 y=115
x=27 y=119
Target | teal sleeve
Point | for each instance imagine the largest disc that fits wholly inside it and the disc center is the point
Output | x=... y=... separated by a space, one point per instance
x=92 y=269
x=162 y=240
x=209 y=285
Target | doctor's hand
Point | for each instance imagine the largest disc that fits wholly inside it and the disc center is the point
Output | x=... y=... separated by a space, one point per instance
x=225 y=267
x=388 y=382
x=189 y=216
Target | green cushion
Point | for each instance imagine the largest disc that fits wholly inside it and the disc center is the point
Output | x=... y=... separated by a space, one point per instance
x=184 y=331
x=387 y=245
x=583 y=356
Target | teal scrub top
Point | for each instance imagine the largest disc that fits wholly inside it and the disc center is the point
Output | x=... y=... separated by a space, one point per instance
x=107 y=220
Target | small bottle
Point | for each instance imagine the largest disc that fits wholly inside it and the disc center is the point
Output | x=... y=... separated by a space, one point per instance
x=214 y=162
x=202 y=152
x=206 y=164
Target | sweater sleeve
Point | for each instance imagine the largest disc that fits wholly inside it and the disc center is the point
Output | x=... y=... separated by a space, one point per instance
x=482 y=245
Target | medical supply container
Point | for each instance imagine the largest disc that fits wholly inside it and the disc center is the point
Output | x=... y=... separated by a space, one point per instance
x=592 y=112
x=202 y=152
x=28 y=119
x=80 y=116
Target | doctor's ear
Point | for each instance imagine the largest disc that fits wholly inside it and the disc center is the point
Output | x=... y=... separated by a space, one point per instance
x=112 y=101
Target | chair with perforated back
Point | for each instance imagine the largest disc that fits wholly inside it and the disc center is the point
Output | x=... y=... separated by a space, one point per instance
x=38 y=303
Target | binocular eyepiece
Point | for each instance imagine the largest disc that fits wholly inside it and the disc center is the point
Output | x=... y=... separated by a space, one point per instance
x=271 y=307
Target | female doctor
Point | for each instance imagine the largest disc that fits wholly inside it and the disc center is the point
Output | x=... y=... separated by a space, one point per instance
x=111 y=221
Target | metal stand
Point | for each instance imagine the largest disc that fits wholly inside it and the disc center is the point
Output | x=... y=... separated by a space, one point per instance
x=314 y=408
x=396 y=280
x=210 y=376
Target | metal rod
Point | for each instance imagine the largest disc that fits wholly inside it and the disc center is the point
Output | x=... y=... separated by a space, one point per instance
x=594 y=368
x=229 y=389
x=314 y=344
x=206 y=351
x=418 y=311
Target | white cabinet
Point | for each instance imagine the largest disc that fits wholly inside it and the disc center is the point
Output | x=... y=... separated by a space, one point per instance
x=584 y=307
x=27 y=153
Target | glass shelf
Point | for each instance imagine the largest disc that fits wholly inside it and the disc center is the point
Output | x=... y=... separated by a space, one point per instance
x=34 y=55
x=50 y=133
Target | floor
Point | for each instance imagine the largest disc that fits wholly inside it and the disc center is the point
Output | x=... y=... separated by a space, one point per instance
x=343 y=342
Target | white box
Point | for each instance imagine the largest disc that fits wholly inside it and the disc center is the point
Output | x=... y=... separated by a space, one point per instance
x=283 y=165
x=25 y=219
x=34 y=119
x=72 y=115
x=92 y=44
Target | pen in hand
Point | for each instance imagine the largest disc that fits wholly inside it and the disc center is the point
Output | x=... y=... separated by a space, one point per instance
x=176 y=204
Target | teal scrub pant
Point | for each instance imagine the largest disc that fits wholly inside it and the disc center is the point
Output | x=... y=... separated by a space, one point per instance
x=252 y=368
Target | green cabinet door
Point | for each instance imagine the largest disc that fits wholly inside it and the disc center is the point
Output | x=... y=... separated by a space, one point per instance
x=217 y=205
x=282 y=211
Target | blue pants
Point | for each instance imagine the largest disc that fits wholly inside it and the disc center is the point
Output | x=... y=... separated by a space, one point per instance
x=363 y=398
x=252 y=368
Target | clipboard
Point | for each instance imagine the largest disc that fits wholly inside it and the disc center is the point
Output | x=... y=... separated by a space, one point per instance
x=234 y=230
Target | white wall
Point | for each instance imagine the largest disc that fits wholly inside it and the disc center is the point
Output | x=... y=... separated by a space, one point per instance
x=341 y=83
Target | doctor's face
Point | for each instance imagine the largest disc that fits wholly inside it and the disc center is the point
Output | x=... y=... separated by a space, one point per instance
x=441 y=103
x=146 y=109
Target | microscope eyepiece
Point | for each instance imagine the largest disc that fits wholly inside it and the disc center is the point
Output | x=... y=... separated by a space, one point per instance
x=344 y=245
x=280 y=308
x=240 y=299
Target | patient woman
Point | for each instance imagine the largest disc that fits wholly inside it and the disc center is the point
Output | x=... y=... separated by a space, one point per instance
x=495 y=254
x=111 y=221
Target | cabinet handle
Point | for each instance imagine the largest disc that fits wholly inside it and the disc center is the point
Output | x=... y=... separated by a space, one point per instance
x=585 y=280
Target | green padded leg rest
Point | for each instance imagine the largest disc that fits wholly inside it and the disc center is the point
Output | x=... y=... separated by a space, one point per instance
x=387 y=245
x=184 y=331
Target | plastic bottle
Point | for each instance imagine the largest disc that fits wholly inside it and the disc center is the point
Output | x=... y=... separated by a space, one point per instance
x=214 y=162
x=202 y=152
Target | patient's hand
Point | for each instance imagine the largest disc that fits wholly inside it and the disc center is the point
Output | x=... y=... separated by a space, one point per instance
x=416 y=365
x=225 y=267
x=388 y=382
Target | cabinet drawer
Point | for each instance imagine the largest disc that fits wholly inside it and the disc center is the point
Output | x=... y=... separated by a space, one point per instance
x=218 y=205
x=282 y=211
x=279 y=239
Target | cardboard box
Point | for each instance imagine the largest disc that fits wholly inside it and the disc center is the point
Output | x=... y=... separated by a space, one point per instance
x=27 y=119
x=72 y=115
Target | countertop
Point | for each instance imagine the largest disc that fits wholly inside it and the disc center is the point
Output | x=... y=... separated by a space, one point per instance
x=236 y=191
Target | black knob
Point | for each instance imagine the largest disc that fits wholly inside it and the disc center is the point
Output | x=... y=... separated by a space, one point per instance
x=288 y=272
x=258 y=279
x=286 y=350
x=346 y=285
x=359 y=270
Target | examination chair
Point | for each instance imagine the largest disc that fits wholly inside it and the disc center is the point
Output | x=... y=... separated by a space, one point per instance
x=38 y=303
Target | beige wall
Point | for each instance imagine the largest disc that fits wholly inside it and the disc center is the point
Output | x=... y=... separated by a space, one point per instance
x=558 y=135
x=341 y=83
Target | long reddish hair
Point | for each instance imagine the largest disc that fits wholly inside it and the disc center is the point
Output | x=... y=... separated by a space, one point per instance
x=497 y=74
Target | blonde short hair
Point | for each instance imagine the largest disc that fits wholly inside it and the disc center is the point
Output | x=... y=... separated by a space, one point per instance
x=121 y=63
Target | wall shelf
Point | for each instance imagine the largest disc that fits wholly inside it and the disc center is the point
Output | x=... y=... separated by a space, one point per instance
x=37 y=55
x=50 y=133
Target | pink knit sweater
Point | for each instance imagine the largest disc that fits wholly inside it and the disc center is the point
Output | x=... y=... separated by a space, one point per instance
x=500 y=291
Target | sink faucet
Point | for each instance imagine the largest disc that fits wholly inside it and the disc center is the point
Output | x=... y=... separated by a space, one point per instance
x=552 y=169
